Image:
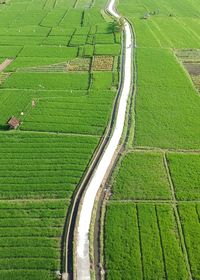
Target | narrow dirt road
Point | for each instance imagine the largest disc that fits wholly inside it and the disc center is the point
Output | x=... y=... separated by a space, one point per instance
x=82 y=242
x=4 y=64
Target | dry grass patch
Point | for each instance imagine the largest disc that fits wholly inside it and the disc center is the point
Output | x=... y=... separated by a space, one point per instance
x=79 y=64
x=196 y=81
x=102 y=63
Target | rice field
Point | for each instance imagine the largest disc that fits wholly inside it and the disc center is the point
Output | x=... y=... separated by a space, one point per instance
x=142 y=241
x=64 y=107
x=151 y=226
x=152 y=217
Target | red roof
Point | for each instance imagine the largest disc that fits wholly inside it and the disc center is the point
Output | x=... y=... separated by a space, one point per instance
x=13 y=122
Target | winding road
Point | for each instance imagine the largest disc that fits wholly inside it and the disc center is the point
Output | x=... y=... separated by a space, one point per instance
x=87 y=203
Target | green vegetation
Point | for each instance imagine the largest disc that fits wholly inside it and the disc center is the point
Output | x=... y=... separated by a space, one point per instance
x=45 y=81
x=64 y=108
x=122 y=263
x=152 y=218
x=185 y=175
x=48 y=51
x=58 y=111
x=9 y=51
x=107 y=49
x=36 y=228
x=141 y=241
x=141 y=176
x=167 y=104
x=41 y=165
x=190 y=214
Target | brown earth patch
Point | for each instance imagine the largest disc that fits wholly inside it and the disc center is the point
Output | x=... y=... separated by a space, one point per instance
x=193 y=68
x=79 y=64
x=196 y=81
x=102 y=63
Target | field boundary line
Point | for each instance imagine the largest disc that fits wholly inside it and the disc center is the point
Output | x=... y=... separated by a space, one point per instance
x=197 y=212
x=44 y=5
x=161 y=242
x=5 y=63
x=75 y=4
x=131 y=112
x=159 y=201
x=140 y=241
x=61 y=19
x=162 y=150
x=55 y=3
x=177 y=217
x=58 y=133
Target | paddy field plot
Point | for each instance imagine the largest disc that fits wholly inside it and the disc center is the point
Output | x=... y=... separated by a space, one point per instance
x=141 y=176
x=167 y=105
x=42 y=165
x=151 y=228
x=60 y=111
x=141 y=241
x=38 y=174
x=152 y=218
x=64 y=107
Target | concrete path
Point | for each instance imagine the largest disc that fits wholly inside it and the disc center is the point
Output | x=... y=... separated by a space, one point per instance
x=4 y=64
x=82 y=248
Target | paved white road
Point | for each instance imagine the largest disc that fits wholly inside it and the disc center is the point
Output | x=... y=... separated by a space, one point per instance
x=82 y=248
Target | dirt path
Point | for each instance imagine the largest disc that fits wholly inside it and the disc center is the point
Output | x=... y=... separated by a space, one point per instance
x=84 y=219
x=4 y=64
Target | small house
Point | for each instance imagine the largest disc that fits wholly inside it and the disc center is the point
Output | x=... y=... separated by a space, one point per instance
x=13 y=123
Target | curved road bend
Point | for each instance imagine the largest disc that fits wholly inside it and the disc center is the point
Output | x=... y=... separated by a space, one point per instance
x=82 y=242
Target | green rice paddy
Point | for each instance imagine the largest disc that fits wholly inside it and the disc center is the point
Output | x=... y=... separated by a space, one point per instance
x=64 y=108
x=152 y=218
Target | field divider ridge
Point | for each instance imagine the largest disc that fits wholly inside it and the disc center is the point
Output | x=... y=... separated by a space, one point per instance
x=177 y=216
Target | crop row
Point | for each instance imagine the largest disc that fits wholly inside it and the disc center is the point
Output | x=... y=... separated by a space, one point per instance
x=143 y=176
x=55 y=175
x=167 y=104
x=40 y=171
x=73 y=112
x=61 y=81
x=30 y=234
x=142 y=241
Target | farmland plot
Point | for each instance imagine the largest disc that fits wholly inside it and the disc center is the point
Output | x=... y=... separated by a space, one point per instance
x=141 y=176
x=185 y=174
x=52 y=90
x=152 y=203
x=58 y=111
x=35 y=193
x=191 y=62
x=176 y=125
x=141 y=241
x=42 y=165
x=190 y=214
x=151 y=228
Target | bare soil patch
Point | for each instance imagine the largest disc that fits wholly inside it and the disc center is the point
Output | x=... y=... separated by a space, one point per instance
x=79 y=64
x=102 y=63
x=193 y=68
